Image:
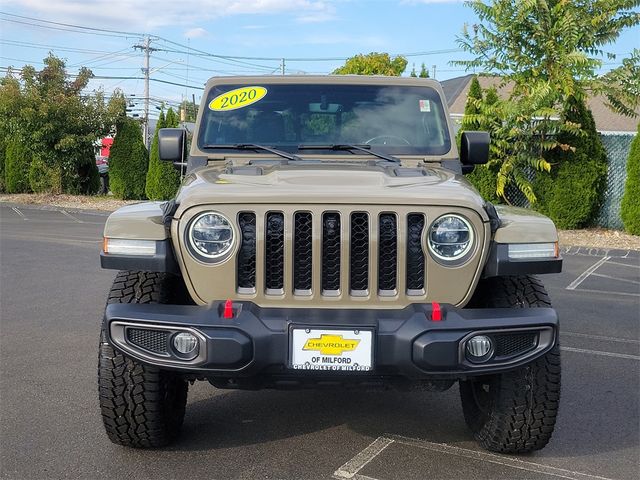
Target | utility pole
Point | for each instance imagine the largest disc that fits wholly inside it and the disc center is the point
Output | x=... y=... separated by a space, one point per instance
x=147 y=49
x=434 y=72
x=282 y=67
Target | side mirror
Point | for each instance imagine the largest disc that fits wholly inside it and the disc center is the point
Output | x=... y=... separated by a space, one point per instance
x=171 y=143
x=474 y=148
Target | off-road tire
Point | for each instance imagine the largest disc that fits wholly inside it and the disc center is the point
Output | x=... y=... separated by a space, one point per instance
x=514 y=412
x=141 y=406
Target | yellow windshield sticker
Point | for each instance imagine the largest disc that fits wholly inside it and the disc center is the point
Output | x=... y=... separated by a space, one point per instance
x=238 y=98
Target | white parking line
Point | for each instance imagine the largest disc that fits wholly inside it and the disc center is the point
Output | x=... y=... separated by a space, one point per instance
x=601 y=353
x=586 y=273
x=67 y=214
x=608 y=292
x=601 y=275
x=19 y=213
x=357 y=463
x=599 y=337
x=611 y=262
x=497 y=459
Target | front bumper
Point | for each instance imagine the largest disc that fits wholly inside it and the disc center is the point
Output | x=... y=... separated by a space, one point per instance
x=256 y=341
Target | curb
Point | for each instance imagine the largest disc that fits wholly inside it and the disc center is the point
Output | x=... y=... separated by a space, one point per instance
x=600 y=252
x=54 y=208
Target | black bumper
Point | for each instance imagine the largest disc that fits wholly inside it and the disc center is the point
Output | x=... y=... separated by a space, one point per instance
x=256 y=341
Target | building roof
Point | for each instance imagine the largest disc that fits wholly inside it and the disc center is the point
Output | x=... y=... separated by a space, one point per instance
x=457 y=89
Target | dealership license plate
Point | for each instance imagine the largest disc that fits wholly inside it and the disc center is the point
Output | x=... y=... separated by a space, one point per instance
x=331 y=349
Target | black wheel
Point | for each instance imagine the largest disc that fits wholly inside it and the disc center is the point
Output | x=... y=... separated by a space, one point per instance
x=141 y=406
x=514 y=412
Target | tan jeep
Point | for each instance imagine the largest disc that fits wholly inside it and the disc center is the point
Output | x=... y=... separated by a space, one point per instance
x=324 y=235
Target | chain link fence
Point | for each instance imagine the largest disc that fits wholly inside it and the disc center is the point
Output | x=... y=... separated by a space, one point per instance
x=617 y=145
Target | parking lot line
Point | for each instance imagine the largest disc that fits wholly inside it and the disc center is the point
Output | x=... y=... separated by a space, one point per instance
x=67 y=214
x=599 y=337
x=497 y=459
x=583 y=276
x=608 y=292
x=601 y=275
x=611 y=262
x=19 y=213
x=351 y=468
x=601 y=353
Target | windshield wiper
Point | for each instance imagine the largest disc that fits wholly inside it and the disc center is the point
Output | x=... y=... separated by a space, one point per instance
x=366 y=148
x=254 y=146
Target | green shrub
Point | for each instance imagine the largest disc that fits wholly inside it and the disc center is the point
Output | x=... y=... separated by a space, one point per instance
x=82 y=178
x=571 y=194
x=630 y=207
x=163 y=179
x=44 y=177
x=16 y=174
x=484 y=178
x=128 y=161
x=3 y=150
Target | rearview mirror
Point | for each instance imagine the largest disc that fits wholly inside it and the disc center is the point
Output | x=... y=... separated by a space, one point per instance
x=171 y=145
x=474 y=148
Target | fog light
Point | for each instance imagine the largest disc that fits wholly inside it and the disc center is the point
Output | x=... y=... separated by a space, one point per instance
x=185 y=343
x=479 y=348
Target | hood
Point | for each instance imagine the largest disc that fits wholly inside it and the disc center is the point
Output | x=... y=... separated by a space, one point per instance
x=328 y=183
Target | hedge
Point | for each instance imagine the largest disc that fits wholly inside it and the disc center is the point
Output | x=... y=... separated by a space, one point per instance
x=571 y=195
x=16 y=168
x=630 y=207
x=44 y=177
x=128 y=161
x=163 y=179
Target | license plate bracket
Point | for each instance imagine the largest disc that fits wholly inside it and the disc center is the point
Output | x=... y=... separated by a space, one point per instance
x=331 y=349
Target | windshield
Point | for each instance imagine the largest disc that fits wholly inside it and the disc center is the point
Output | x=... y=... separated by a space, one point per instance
x=394 y=119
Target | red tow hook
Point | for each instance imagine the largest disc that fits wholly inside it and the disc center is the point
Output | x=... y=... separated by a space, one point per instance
x=228 y=309
x=436 y=312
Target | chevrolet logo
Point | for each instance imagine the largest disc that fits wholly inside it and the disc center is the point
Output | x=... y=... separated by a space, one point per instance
x=331 y=344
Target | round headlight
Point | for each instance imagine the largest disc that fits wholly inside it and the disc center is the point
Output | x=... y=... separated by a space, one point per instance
x=211 y=235
x=450 y=238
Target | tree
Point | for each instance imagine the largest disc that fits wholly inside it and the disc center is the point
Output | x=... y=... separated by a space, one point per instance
x=188 y=111
x=57 y=120
x=424 y=73
x=413 y=71
x=373 y=64
x=128 y=161
x=163 y=179
x=571 y=194
x=548 y=50
x=630 y=208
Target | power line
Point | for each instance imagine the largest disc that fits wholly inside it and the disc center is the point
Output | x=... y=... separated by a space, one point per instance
x=80 y=27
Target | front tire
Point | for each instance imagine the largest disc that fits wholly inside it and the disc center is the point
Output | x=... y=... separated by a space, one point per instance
x=516 y=411
x=141 y=406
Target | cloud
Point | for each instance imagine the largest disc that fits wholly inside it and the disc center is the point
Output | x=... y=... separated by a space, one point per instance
x=196 y=32
x=150 y=15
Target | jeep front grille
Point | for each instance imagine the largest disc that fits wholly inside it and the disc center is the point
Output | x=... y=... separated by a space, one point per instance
x=331 y=254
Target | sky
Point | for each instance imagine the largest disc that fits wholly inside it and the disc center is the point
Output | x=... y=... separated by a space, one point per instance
x=313 y=37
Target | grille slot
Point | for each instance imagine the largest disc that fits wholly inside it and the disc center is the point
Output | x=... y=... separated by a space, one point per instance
x=387 y=253
x=155 y=341
x=415 y=254
x=330 y=253
x=359 y=253
x=512 y=344
x=274 y=253
x=247 y=252
x=302 y=253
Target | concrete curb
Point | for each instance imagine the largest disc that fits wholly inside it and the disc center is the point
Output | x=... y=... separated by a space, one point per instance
x=600 y=252
x=54 y=208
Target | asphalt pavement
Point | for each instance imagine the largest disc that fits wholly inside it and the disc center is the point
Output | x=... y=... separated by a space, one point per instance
x=52 y=294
